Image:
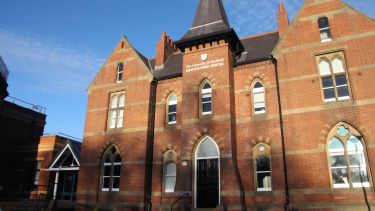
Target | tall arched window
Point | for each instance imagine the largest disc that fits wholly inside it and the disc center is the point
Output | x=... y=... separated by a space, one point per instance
x=347 y=160
x=111 y=169
x=325 y=29
x=262 y=167
x=206 y=98
x=172 y=109
x=170 y=171
x=259 y=103
x=120 y=70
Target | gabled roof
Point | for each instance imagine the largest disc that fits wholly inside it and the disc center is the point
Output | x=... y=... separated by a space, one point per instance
x=210 y=17
x=68 y=158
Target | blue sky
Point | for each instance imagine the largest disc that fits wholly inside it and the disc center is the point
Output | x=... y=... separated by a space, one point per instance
x=53 y=49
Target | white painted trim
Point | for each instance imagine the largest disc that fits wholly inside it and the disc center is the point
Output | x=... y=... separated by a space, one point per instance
x=64 y=169
x=61 y=153
x=195 y=168
x=55 y=185
x=207 y=24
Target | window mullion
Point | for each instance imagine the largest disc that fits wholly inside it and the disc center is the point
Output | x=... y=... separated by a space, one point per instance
x=333 y=76
x=347 y=161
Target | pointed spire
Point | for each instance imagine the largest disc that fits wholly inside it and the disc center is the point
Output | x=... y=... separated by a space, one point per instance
x=210 y=17
x=210 y=24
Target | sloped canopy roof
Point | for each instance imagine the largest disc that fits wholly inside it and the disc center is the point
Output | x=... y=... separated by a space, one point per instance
x=68 y=158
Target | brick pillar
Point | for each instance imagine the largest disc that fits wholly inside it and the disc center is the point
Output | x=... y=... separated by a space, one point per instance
x=282 y=20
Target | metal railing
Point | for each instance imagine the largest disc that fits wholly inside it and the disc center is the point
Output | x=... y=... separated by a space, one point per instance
x=181 y=197
x=25 y=104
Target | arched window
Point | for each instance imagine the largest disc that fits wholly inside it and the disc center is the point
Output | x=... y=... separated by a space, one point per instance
x=259 y=104
x=262 y=167
x=325 y=29
x=347 y=160
x=206 y=98
x=120 y=70
x=170 y=171
x=172 y=109
x=111 y=170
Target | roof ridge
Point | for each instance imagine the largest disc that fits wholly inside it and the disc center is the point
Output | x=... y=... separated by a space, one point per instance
x=258 y=35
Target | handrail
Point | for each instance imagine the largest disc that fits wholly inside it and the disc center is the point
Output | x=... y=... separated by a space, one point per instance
x=181 y=197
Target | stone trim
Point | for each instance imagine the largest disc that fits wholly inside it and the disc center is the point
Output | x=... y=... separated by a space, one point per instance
x=326 y=14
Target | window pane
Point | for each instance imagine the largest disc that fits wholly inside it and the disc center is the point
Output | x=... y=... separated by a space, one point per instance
x=117 y=159
x=121 y=101
x=107 y=171
x=116 y=170
x=354 y=144
x=116 y=183
x=340 y=176
x=324 y=68
x=114 y=102
x=342 y=131
x=106 y=182
x=337 y=65
x=325 y=34
x=341 y=80
x=263 y=164
x=259 y=97
x=206 y=86
x=206 y=107
x=120 y=118
x=343 y=92
x=206 y=99
x=171 y=169
x=170 y=183
x=356 y=159
x=264 y=180
x=337 y=160
x=323 y=23
x=329 y=94
x=327 y=82
x=172 y=117
x=207 y=149
x=359 y=175
x=172 y=108
x=335 y=145
x=258 y=85
x=119 y=76
x=173 y=100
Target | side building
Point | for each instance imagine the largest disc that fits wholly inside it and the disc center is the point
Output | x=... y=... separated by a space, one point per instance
x=279 y=120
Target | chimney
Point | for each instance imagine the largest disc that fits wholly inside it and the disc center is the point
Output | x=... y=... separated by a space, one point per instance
x=282 y=20
x=164 y=48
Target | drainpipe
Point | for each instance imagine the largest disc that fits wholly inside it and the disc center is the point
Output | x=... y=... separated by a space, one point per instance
x=274 y=62
x=150 y=146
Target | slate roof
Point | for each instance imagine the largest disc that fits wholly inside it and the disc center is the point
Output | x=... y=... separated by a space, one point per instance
x=257 y=48
x=209 y=18
x=172 y=68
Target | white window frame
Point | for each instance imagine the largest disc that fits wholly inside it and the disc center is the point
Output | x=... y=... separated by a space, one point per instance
x=116 y=112
x=329 y=58
x=346 y=153
x=111 y=155
x=255 y=91
x=120 y=72
x=206 y=93
x=171 y=102
x=325 y=30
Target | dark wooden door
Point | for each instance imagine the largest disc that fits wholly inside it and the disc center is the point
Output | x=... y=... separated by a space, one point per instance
x=207 y=183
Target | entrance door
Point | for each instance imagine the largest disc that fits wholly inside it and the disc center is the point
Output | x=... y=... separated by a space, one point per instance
x=207 y=174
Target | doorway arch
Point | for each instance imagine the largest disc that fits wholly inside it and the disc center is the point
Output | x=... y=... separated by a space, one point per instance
x=206 y=174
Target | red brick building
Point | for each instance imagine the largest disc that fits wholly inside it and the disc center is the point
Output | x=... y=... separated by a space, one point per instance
x=278 y=120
